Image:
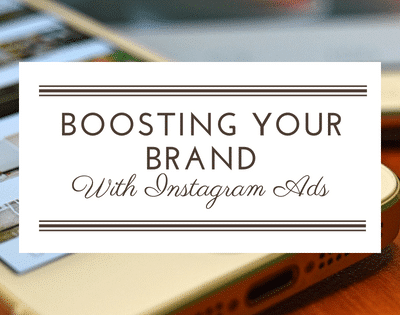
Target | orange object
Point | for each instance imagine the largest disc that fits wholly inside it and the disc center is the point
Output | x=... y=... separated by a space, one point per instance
x=390 y=121
x=4 y=310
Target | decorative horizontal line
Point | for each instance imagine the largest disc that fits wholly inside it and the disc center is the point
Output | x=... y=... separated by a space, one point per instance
x=202 y=231
x=202 y=221
x=203 y=95
x=202 y=86
x=201 y=225
x=203 y=90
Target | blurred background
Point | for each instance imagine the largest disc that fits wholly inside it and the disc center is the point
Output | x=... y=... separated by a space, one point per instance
x=189 y=30
x=239 y=30
x=257 y=30
x=198 y=30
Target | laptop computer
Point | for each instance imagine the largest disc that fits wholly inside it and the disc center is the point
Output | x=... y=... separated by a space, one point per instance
x=138 y=283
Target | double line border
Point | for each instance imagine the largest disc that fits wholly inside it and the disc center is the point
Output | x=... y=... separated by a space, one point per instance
x=203 y=90
x=202 y=226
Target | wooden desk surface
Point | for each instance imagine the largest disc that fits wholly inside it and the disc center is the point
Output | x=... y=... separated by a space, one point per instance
x=371 y=286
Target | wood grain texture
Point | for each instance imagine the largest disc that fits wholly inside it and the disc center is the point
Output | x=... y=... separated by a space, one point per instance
x=369 y=287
